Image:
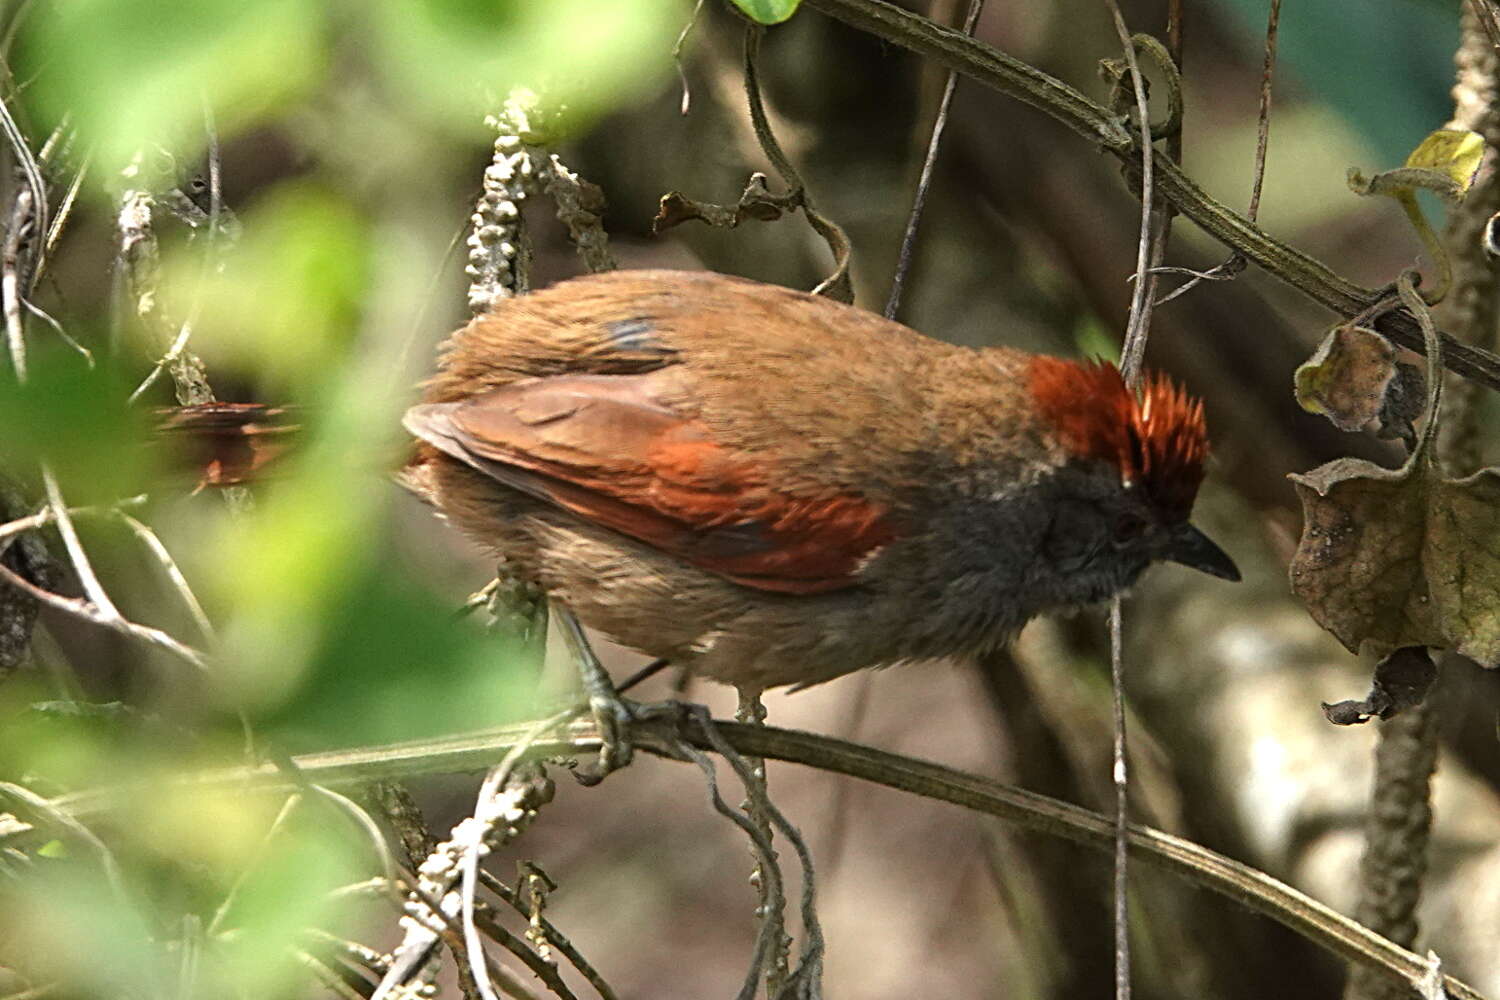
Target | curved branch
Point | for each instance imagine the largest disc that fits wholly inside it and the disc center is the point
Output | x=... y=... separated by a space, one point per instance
x=995 y=69
x=660 y=732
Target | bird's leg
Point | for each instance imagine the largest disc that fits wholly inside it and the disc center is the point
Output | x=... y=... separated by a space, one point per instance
x=612 y=714
x=770 y=912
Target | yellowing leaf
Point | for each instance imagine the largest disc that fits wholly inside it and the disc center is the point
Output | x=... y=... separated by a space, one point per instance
x=1455 y=153
x=1444 y=163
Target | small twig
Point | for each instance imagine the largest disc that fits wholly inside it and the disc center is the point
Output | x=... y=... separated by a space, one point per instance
x=326 y=974
x=174 y=573
x=555 y=937
x=231 y=896
x=48 y=811
x=806 y=980
x=92 y=588
x=1488 y=16
x=57 y=328
x=836 y=285
x=64 y=212
x=1122 y=789
x=939 y=124
x=80 y=608
x=1132 y=358
x=29 y=167
x=1133 y=350
x=179 y=344
x=687 y=96
x=770 y=911
x=11 y=290
x=1263 y=118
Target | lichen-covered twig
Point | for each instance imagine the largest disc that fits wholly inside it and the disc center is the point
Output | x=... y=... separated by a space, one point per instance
x=507 y=802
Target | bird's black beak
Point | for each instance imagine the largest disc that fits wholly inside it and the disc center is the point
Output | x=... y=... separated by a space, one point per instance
x=1191 y=547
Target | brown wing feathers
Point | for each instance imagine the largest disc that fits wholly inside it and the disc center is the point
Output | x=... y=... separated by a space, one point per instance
x=605 y=448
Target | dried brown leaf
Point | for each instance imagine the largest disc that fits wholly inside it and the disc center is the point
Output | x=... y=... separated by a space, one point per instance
x=1403 y=557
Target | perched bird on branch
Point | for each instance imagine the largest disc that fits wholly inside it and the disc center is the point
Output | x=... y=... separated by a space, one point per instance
x=770 y=488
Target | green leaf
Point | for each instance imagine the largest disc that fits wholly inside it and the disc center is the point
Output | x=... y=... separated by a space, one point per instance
x=135 y=73
x=290 y=296
x=768 y=11
x=455 y=60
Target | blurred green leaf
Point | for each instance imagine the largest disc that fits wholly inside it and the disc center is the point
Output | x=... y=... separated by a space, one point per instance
x=286 y=303
x=133 y=73
x=53 y=849
x=75 y=419
x=458 y=59
x=768 y=11
x=391 y=664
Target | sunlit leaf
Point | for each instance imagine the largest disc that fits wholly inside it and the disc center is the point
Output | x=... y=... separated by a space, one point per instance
x=1444 y=163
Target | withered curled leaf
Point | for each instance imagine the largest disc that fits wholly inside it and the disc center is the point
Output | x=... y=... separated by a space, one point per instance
x=1403 y=557
x=1401 y=681
x=1354 y=380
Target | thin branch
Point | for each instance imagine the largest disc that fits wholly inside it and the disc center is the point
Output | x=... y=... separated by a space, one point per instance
x=687 y=94
x=1122 y=800
x=92 y=588
x=1263 y=119
x=555 y=937
x=1133 y=350
x=80 y=608
x=1248 y=886
x=836 y=285
x=29 y=167
x=919 y=202
x=998 y=71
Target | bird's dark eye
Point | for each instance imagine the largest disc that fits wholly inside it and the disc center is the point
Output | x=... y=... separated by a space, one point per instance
x=1129 y=526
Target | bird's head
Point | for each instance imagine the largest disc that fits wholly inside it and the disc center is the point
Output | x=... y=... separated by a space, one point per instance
x=1134 y=464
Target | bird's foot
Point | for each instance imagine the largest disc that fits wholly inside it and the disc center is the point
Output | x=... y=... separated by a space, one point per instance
x=612 y=716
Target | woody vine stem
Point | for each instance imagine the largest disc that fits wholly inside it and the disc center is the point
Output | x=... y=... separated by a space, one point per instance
x=998 y=71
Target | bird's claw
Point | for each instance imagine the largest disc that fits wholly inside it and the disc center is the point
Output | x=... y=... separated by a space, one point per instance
x=612 y=716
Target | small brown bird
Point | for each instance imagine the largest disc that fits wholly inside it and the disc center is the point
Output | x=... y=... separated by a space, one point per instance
x=769 y=488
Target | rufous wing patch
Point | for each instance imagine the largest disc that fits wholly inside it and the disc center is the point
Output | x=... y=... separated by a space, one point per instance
x=605 y=448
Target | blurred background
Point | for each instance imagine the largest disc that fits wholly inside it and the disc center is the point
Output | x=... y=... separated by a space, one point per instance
x=348 y=142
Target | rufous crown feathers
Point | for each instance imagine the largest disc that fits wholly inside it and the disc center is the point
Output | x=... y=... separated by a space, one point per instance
x=1158 y=439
